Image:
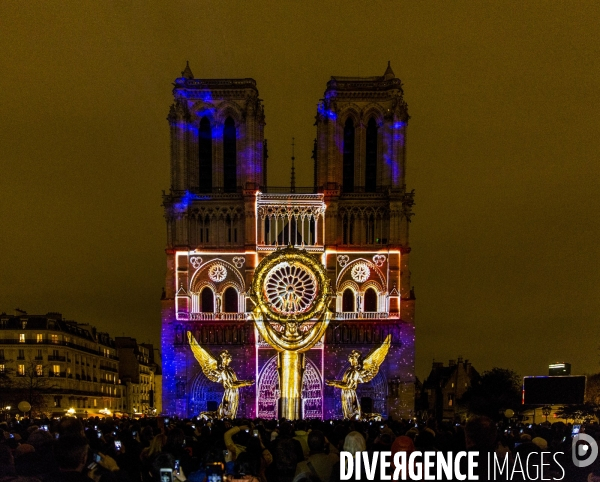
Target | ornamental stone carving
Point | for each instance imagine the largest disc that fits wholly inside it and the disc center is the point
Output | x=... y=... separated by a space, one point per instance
x=217 y=272
x=360 y=272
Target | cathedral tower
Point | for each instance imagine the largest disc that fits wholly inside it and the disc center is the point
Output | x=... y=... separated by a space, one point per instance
x=361 y=168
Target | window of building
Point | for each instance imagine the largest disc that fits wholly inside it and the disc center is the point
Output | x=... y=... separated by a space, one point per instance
x=21 y=370
x=39 y=370
x=207 y=301
x=371 y=157
x=348 y=301
x=54 y=338
x=22 y=338
x=95 y=403
x=57 y=401
x=229 y=156
x=348 y=159
x=1 y=353
x=39 y=338
x=21 y=354
x=56 y=370
x=23 y=324
x=370 y=302
x=205 y=155
x=450 y=399
x=231 y=300
x=2 y=368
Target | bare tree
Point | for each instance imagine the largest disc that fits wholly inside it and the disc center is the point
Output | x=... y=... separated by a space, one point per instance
x=32 y=384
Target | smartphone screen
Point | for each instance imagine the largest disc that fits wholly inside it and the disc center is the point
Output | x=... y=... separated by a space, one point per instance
x=255 y=433
x=214 y=472
x=166 y=475
x=96 y=458
x=177 y=467
x=99 y=434
x=117 y=445
x=576 y=429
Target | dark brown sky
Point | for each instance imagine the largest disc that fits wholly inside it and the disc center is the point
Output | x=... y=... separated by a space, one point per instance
x=502 y=148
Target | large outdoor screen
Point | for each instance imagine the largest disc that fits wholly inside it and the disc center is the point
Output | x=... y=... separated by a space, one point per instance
x=553 y=390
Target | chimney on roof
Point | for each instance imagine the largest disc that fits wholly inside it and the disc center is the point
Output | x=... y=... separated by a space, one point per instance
x=460 y=360
x=452 y=363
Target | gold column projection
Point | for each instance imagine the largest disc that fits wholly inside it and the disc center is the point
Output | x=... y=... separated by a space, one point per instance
x=291 y=292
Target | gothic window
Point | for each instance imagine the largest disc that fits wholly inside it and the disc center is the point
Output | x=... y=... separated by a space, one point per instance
x=370 y=300
x=229 y=229
x=371 y=229
x=348 y=301
x=207 y=301
x=371 y=157
x=231 y=300
x=205 y=155
x=348 y=160
x=229 y=156
x=204 y=224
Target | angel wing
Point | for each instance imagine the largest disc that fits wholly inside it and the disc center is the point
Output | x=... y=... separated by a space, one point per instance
x=374 y=359
x=207 y=362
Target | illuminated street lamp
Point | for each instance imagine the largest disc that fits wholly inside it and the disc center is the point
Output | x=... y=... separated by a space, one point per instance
x=546 y=410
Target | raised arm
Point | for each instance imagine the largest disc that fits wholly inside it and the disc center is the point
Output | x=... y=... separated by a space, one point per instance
x=338 y=384
x=242 y=383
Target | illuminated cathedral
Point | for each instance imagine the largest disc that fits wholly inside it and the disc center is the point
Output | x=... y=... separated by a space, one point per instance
x=223 y=219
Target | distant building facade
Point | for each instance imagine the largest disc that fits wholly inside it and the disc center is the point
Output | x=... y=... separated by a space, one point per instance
x=137 y=371
x=444 y=386
x=559 y=369
x=223 y=219
x=57 y=364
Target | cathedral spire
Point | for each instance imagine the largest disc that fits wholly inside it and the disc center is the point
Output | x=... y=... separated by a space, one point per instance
x=293 y=176
x=187 y=72
x=389 y=73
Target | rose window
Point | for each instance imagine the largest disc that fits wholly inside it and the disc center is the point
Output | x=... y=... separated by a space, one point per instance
x=290 y=288
x=217 y=272
x=360 y=272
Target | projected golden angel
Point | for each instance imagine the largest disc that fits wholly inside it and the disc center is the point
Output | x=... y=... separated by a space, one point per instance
x=360 y=371
x=219 y=372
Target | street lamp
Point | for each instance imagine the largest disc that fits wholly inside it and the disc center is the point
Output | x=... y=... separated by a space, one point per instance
x=546 y=410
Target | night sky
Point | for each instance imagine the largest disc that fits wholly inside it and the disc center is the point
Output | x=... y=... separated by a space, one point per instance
x=503 y=151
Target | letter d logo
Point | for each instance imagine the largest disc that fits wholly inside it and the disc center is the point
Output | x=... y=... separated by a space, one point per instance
x=582 y=450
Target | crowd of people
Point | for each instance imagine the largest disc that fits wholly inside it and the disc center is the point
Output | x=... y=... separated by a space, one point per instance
x=166 y=449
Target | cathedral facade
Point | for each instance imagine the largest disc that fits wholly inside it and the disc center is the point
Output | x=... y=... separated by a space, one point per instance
x=223 y=219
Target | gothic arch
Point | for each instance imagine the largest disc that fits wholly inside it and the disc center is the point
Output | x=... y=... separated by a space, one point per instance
x=348 y=284
x=349 y=110
x=372 y=284
x=374 y=271
x=375 y=111
x=231 y=300
x=229 y=109
x=202 y=109
x=201 y=276
x=202 y=392
x=267 y=390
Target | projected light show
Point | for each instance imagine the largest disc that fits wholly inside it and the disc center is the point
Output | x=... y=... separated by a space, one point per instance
x=288 y=302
